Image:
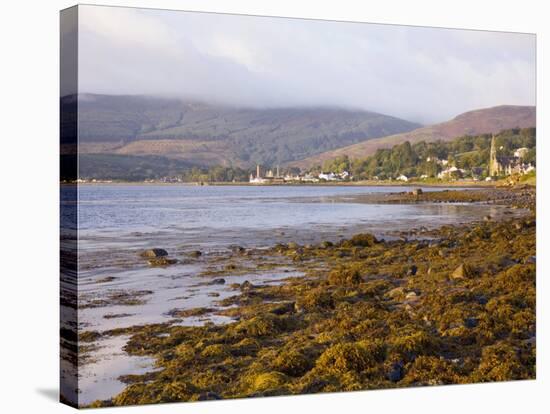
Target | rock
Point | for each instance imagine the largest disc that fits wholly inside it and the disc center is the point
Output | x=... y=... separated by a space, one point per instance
x=156 y=252
x=209 y=395
x=293 y=245
x=482 y=300
x=218 y=281
x=396 y=292
x=417 y=192
x=161 y=261
x=487 y=218
x=195 y=253
x=470 y=322
x=396 y=372
x=326 y=244
x=412 y=270
x=411 y=295
x=246 y=286
x=462 y=271
x=213 y=294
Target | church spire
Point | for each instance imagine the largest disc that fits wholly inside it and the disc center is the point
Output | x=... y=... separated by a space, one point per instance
x=494 y=167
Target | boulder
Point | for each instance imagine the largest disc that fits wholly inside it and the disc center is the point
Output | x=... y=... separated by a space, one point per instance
x=195 y=253
x=417 y=192
x=156 y=252
x=396 y=372
x=470 y=322
x=218 y=281
x=412 y=270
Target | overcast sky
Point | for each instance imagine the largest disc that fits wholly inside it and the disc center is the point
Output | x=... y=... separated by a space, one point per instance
x=420 y=74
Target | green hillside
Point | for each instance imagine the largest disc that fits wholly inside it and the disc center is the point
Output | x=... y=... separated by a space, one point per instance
x=210 y=134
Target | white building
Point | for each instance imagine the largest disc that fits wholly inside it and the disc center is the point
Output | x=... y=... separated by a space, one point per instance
x=521 y=152
x=447 y=173
x=330 y=176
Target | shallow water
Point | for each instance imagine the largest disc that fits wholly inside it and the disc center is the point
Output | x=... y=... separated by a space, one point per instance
x=117 y=221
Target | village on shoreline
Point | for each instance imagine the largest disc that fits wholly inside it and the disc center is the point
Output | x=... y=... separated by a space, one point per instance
x=417 y=164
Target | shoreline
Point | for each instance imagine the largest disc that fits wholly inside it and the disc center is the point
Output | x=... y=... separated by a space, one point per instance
x=454 y=184
x=268 y=349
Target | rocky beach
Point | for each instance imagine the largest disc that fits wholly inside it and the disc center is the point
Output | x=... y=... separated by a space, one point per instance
x=423 y=305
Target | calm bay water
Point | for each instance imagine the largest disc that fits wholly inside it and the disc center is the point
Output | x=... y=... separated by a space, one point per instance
x=210 y=216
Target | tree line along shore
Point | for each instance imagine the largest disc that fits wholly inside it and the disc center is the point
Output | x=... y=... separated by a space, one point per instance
x=463 y=158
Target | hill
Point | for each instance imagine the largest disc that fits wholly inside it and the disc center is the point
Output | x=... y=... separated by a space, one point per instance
x=208 y=134
x=489 y=120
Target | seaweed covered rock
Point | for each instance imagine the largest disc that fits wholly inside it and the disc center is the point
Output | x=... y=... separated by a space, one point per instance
x=292 y=362
x=345 y=275
x=360 y=240
x=500 y=362
x=317 y=299
x=410 y=345
x=431 y=370
x=258 y=326
x=142 y=393
x=215 y=351
x=268 y=381
x=155 y=252
x=354 y=356
x=161 y=261
x=185 y=353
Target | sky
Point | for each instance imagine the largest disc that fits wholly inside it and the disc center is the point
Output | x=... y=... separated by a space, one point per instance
x=420 y=74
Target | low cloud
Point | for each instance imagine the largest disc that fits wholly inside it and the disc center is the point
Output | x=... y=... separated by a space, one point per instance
x=421 y=74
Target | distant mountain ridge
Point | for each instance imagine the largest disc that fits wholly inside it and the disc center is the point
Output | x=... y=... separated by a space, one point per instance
x=208 y=134
x=481 y=121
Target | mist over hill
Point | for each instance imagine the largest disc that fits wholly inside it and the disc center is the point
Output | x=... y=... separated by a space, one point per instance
x=209 y=134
